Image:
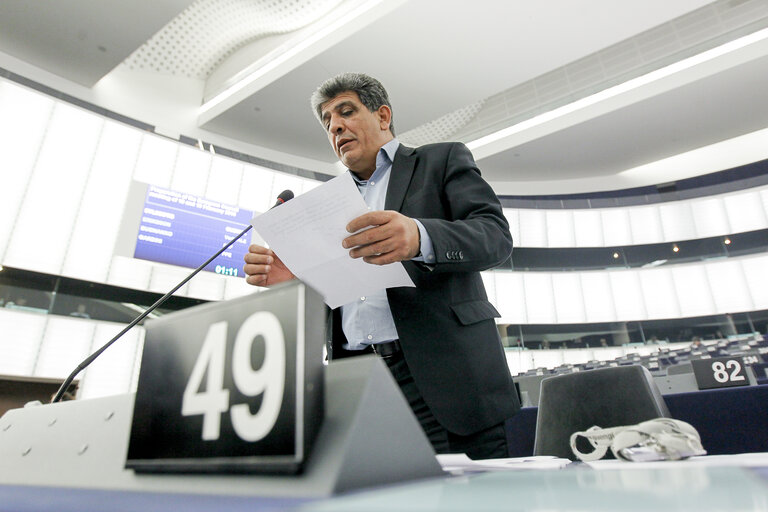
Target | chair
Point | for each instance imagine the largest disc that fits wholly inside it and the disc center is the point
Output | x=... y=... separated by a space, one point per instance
x=606 y=397
x=679 y=368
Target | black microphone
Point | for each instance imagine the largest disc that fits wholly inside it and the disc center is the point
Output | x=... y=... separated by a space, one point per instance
x=285 y=195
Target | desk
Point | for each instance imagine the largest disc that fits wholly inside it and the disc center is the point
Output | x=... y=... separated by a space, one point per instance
x=578 y=487
x=674 y=486
x=699 y=489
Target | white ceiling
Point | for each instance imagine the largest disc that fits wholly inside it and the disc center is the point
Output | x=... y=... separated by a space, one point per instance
x=434 y=56
x=81 y=40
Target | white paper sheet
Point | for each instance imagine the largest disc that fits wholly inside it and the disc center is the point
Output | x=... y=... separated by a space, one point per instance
x=459 y=463
x=307 y=231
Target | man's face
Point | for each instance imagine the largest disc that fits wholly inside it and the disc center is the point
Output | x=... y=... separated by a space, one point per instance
x=355 y=133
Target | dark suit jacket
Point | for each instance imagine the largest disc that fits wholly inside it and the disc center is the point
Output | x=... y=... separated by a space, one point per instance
x=446 y=327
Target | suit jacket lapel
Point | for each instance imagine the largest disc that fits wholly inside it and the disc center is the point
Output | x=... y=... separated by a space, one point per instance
x=400 y=178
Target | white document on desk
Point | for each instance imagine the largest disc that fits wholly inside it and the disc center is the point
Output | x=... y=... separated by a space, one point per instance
x=459 y=463
x=307 y=231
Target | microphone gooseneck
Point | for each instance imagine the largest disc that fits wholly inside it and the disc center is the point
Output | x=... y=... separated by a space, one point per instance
x=285 y=195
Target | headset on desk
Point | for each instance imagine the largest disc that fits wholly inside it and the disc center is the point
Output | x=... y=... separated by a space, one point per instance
x=653 y=440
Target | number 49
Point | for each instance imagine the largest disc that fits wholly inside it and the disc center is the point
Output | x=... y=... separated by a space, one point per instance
x=269 y=379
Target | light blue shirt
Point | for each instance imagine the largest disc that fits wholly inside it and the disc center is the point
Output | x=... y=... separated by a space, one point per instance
x=368 y=320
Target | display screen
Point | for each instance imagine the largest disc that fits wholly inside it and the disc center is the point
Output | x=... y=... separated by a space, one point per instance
x=185 y=230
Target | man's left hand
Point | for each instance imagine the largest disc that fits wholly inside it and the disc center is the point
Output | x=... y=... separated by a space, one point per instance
x=391 y=237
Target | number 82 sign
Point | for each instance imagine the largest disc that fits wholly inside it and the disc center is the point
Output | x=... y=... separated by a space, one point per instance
x=720 y=372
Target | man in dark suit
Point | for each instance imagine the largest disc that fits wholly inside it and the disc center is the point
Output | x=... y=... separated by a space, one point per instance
x=432 y=211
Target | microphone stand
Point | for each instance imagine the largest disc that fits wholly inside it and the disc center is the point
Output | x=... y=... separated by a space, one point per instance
x=161 y=300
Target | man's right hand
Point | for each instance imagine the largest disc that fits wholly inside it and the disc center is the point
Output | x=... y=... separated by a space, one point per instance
x=264 y=268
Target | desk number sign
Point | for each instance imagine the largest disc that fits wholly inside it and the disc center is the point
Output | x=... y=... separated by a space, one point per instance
x=234 y=386
x=720 y=372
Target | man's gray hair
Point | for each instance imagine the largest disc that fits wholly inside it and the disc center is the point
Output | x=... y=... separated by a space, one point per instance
x=372 y=94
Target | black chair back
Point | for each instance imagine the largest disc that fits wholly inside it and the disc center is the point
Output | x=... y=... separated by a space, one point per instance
x=606 y=397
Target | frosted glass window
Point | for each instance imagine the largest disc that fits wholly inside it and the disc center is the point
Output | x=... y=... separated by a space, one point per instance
x=190 y=174
x=256 y=191
x=692 y=288
x=513 y=218
x=560 y=230
x=547 y=358
x=578 y=355
x=745 y=211
x=677 y=221
x=519 y=361
x=588 y=228
x=157 y=158
x=616 y=228
x=225 y=180
x=20 y=335
x=757 y=279
x=237 y=287
x=129 y=273
x=608 y=354
x=540 y=301
x=645 y=224
x=627 y=295
x=206 y=285
x=709 y=217
x=510 y=297
x=490 y=285
x=764 y=198
x=308 y=185
x=284 y=182
x=729 y=286
x=55 y=191
x=93 y=240
x=23 y=117
x=666 y=222
x=569 y=302
x=67 y=341
x=165 y=277
x=659 y=293
x=598 y=298
x=644 y=350
x=112 y=372
x=533 y=228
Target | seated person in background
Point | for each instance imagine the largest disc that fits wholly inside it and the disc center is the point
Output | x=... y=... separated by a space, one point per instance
x=20 y=302
x=81 y=312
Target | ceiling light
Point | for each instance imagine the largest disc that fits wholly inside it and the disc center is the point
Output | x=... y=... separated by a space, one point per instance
x=615 y=255
x=727 y=241
x=622 y=88
x=675 y=248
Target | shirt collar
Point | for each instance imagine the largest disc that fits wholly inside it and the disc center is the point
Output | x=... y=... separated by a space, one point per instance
x=384 y=159
x=389 y=149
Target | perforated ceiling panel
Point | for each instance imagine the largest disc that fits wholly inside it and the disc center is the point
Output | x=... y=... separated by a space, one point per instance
x=441 y=128
x=194 y=43
x=687 y=35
